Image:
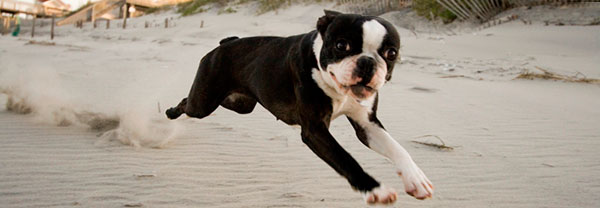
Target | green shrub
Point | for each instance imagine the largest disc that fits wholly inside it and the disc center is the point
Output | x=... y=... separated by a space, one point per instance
x=229 y=10
x=195 y=6
x=431 y=9
x=270 y=5
x=157 y=9
x=264 y=6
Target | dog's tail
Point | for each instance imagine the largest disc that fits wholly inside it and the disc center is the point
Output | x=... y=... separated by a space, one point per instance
x=175 y=112
x=228 y=39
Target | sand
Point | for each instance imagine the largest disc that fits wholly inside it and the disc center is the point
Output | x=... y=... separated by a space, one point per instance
x=517 y=143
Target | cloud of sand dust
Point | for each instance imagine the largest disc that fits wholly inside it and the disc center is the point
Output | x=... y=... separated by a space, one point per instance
x=40 y=91
x=140 y=128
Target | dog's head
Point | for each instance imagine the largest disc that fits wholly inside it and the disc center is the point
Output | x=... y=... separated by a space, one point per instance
x=356 y=54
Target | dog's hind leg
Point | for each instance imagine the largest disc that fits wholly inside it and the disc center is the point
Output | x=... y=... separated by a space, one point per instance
x=239 y=103
x=175 y=112
x=209 y=89
x=197 y=105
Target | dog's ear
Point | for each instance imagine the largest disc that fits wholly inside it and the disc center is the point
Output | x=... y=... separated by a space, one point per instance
x=325 y=20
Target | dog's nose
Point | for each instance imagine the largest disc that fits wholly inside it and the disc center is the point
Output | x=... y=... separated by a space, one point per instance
x=365 y=62
x=365 y=68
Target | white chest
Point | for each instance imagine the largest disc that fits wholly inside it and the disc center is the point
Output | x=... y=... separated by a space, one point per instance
x=350 y=107
x=340 y=107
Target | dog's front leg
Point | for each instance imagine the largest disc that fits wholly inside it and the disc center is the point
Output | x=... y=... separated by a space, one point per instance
x=317 y=137
x=371 y=133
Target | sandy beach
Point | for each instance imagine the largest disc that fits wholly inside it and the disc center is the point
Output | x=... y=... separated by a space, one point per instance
x=96 y=134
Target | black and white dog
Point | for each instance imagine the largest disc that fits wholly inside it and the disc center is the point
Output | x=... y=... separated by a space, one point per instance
x=311 y=79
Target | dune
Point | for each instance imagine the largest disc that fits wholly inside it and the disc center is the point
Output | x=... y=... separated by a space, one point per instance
x=82 y=121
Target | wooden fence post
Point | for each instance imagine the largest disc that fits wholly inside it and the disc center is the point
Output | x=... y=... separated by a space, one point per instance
x=33 y=26
x=52 y=29
x=7 y=24
x=3 y=25
x=125 y=15
x=107 y=23
x=166 y=22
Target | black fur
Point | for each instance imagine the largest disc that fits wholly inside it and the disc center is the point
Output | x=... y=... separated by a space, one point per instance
x=228 y=39
x=175 y=112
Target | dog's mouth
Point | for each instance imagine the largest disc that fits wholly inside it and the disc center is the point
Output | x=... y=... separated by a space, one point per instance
x=358 y=91
x=361 y=91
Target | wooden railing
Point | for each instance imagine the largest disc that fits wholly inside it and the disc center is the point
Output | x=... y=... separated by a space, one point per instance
x=159 y=3
x=156 y=3
x=101 y=7
x=82 y=14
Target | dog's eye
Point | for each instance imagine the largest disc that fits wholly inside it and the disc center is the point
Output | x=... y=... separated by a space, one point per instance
x=390 y=54
x=342 y=45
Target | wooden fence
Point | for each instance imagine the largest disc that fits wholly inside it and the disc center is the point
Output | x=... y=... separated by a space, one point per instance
x=469 y=10
x=483 y=10
x=373 y=7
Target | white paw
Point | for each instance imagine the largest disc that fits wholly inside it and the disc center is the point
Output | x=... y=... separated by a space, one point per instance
x=381 y=195
x=416 y=183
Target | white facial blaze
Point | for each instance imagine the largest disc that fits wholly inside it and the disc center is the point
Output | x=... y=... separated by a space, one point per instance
x=373 y=34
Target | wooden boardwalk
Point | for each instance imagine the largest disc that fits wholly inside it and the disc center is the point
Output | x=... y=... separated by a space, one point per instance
x=99 y=8
x=17 y=7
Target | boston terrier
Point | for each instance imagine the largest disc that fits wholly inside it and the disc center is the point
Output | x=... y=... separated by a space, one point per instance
x=309 y=80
